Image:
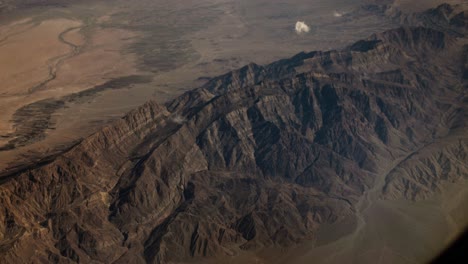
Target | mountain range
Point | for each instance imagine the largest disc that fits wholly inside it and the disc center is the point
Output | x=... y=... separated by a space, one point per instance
x=261 y=158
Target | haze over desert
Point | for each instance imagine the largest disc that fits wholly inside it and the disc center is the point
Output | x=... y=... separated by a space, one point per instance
x=233 y=131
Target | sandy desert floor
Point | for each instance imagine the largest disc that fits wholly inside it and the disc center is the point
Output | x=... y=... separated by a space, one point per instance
x=68 y=69
x=397 y=231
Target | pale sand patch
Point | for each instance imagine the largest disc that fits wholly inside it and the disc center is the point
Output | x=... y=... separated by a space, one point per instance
x=25 y=58
x=75 y=37
x=100 y=61
x=27 y=64
x=13 y=28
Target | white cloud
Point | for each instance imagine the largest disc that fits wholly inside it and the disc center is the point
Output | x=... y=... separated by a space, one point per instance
x=337 y=14
x=302 y=27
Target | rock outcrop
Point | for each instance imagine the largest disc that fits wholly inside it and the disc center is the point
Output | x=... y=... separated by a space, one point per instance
x=257 y=158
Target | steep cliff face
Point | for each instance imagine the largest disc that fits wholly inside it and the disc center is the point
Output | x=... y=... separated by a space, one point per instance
x=259 y=157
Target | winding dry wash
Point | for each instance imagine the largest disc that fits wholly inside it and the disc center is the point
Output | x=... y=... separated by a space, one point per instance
x=232 y=131
x=51 y=52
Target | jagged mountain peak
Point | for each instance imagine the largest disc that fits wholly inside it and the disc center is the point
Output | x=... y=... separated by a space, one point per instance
x=260 y=157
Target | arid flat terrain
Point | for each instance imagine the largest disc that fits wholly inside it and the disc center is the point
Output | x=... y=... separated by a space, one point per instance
x=141 y=132
x=68 y=67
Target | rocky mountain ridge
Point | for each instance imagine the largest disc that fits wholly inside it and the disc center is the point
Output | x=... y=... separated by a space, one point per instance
x=260 y=157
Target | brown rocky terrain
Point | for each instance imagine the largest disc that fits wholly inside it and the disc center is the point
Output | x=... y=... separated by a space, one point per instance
x=69 y=67
x=259 y=158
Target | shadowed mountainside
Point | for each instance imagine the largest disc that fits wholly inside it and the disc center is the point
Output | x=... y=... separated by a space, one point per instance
x=258 y=158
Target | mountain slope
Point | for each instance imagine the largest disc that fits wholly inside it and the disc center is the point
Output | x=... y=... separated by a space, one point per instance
x=258 y=158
